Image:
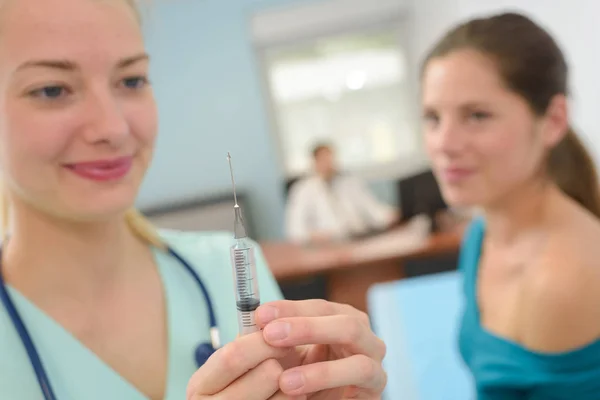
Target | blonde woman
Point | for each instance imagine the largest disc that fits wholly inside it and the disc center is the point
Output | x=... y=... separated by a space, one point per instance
x=96 y=303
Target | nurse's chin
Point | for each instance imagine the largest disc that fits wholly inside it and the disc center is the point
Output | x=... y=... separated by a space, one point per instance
x=101 y=209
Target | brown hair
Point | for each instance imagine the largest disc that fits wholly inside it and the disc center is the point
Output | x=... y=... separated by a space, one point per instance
x=533 y=66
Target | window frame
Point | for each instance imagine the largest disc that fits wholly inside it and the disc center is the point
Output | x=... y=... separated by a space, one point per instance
x=399 y=23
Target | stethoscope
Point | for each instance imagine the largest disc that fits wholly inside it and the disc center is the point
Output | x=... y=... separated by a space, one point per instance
x=202 y=353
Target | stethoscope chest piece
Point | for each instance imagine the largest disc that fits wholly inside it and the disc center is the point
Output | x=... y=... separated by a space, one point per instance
x=203 y=353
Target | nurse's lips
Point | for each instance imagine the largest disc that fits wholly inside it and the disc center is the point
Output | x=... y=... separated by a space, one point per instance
x=102 y=170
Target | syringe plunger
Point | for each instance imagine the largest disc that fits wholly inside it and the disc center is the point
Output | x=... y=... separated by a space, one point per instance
x=246 y=285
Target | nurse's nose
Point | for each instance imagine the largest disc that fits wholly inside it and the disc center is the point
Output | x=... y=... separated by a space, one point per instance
x=106 y=122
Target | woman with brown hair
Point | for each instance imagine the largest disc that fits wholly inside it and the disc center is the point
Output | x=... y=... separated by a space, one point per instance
x=494 y=93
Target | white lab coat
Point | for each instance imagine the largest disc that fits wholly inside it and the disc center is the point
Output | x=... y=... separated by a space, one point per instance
x=343 y=208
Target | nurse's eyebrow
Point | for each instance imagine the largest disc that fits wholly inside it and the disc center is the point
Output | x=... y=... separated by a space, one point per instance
x=53 y=64
x=66 y=65
x=128 y=61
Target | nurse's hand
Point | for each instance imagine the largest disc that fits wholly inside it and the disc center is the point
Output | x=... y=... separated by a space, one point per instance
x=246 y=368
x=336 y=355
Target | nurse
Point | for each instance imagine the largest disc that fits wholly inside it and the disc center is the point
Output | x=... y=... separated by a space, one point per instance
x=498 y=132
x=111 y=313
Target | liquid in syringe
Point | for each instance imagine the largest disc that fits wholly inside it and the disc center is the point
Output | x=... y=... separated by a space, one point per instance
x=244 y=269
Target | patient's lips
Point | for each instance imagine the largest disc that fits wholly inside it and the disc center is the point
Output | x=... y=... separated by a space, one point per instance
x=456 y=174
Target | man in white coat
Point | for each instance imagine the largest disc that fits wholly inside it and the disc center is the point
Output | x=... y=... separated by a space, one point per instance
x=329 y=206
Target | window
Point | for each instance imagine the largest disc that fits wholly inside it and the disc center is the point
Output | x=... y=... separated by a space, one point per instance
x=350 y=89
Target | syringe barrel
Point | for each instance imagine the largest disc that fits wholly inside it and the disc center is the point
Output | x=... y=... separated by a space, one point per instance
x=246 y=284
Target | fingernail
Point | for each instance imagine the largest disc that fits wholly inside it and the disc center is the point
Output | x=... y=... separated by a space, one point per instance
x=292 y=380
x=277 y=331
x=266 y=314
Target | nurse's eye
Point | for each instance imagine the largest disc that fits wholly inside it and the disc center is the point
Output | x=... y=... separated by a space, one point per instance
x=135 y=82
x=49 y=92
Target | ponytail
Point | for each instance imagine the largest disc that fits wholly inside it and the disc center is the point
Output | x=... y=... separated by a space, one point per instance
x=572 y=168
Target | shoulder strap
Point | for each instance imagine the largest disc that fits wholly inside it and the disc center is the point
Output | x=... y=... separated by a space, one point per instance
x=470 y=254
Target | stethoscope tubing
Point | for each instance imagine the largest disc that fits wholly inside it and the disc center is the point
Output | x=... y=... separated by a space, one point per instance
x=32 y=352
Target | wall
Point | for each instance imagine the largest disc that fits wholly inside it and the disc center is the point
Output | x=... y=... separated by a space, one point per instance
x=208 y=90
x=209 y=99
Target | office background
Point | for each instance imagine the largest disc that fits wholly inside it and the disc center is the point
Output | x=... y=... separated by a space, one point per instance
x=210 y=70
x=210 y=88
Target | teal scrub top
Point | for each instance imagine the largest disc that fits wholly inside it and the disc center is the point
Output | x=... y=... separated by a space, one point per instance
x=505 y=370
x=76 y=373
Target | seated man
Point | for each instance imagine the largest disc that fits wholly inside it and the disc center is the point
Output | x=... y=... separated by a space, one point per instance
x=329 y=206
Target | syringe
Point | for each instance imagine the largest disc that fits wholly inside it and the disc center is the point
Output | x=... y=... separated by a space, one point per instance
x=244 y=269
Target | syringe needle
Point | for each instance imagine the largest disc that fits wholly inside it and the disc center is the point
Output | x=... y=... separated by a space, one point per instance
x=243 y=259
x=239 y=228
x=232 y=180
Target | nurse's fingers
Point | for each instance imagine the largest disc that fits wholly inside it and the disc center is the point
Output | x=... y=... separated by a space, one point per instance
x=345 y=331
x=361 y=375
x=283 y=396
x=231 y=362
x=259 y=383
x=305 y=308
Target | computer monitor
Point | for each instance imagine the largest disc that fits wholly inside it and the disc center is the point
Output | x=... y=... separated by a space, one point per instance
x=420 y=194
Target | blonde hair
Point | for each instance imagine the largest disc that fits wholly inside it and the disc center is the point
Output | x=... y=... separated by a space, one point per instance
x=139 y=225
x=144 y=229
x=135 y=220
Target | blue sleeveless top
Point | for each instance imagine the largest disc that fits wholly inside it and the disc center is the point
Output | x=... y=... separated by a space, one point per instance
x=505 y=370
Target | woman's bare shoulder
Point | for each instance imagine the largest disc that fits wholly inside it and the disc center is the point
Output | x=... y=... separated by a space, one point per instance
x=564 y=288
x=577 y=239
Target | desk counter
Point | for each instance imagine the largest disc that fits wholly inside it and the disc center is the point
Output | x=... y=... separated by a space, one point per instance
x=351 y=268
